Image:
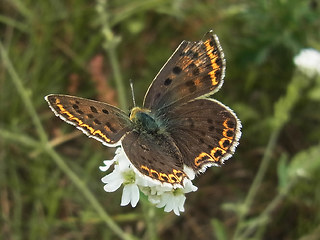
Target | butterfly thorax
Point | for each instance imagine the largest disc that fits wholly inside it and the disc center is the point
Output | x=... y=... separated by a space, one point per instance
x=143 y=120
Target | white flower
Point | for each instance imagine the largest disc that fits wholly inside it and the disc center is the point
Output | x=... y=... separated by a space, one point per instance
x=308 y=61
x=122 y=174
x=171 y=197
x=174 y=200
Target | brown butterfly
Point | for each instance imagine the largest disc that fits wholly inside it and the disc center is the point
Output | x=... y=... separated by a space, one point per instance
x=177 y=125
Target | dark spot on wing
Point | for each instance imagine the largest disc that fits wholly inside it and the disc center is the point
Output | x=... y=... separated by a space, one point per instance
x=108 y=124
x=79 y=111
x=218 y=73
x=203 y=133
x=93 y=109
x=218 y=153
x=195 y=55
x=157 y=95
x=226 y=143
x=230 y=124
x=145 y=171
x=176 y=70
x=196 y=72
x=167 y=81
x=230 y=133
x=192 y=65
x=154 y=174
x=105 y=111
x=96 y=121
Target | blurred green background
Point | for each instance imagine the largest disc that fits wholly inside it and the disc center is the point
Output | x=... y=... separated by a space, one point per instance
x=50 y=184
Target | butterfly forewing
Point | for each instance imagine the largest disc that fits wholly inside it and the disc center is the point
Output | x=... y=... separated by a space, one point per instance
x=99 y=120
x=205 y=131
x=195 y=69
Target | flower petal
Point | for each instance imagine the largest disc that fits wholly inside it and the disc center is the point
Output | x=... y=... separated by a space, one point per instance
x=164 y=198
x=112 y=186
x=135 y=195
x=126 y=198
x=181 y=201
x=176 y=211
x=154 y=199
x=188 y=186
x=130 y=194
x=189 y=171
x=114 y=176
x=107 y=164
x=169 y=205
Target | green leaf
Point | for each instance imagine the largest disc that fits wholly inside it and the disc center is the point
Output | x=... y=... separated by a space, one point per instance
x=219 y=229
x=305 y=163
x=282 y=171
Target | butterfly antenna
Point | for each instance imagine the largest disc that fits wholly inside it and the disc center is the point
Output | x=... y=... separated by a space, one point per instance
x=132 y=93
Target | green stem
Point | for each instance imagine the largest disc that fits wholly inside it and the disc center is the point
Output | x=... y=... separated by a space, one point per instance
x=88 y=195
x=282 y=111
x=118 y=78
x=110 y=44
x=262 y=169
x=27 y=141
x=256 y=182
x=24 y=94
x=272 y=206
x=48 y=148
x=259 y=225
x=150 y=219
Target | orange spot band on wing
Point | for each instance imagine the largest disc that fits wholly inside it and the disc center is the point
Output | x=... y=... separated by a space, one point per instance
x=175 y=177
x=225 y=133
x=214 y=65
x=217 y=153
x=179 y=174
x=227 y=129
x=225 y=124
x=80 y=122
x=203 y=157
x=222 y=141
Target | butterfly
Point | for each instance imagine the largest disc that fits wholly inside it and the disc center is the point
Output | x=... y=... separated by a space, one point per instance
x=178 y=127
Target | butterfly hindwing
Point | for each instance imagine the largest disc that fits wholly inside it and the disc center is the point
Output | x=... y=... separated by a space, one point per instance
x=205 y=131
x=195 y=69
x=99 y=120
x=155 y=155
